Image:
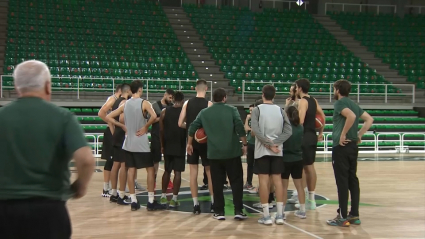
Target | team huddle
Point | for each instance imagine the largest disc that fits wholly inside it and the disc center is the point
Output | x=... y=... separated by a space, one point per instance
x=278 y=143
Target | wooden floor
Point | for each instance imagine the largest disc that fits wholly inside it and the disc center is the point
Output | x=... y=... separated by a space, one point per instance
x=393 y=193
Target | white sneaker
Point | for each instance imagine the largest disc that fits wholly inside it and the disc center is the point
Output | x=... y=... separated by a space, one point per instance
x=293 y=199
x=309 y=205
x=280 y=219
x=265 y=220
x=258 y=205
x=300 y=214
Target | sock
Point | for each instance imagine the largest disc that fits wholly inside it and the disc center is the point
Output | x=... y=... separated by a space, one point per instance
x=195 y=201
x=302 y=207
x=280 y=206
x=133 y=198
x=175 y=197
x=164 y=195
x=105 y=186
x=311 y=196
x=294 y=193
x=122 y=194
x=271 y=197
x=114 y=192
x=212 y=199
x=151 y=196
x=306 y=193
x=265 y=210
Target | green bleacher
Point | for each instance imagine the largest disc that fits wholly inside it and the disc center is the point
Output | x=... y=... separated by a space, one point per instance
x=120 y=39
x=279 y=47
x=398 y=42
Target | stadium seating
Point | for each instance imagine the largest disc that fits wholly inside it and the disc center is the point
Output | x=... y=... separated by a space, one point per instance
x=278 y=47
x=91 y=42
x=398 y=42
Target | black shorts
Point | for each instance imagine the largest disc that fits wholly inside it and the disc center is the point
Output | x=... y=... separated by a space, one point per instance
x=107 y=145
x=268 y=165
x=176 y=163
x=138 y=160
x=295 y=169
x=156 y=149
x=118 y=155
x=309 y=154
x=199 y=151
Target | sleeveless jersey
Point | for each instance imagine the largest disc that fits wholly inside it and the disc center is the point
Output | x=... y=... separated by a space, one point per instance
x=134 y=120
x=119 y=133
x=193 y=107
x=309 y=125
x=157 y=107
x=174 y=136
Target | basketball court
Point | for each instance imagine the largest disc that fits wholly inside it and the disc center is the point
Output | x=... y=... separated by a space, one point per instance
x=392 y=205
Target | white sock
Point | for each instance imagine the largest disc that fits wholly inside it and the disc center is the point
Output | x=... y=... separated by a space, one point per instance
x=311 y=196
x=306 y=192
x=302 y=207
x=151 y=196
x=212 y=199
x=195 y=201
x=164 y=195
x=294 y=193
x=133 y=198
x=175 y=197
x=280 y=207
x=122 y=194
x=105 y=186
x=265 y=210
x=114 y=192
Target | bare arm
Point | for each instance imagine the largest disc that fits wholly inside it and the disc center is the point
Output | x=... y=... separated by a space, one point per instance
x=84 y=162
x=247 y=128
x=319 y=110
x=368 y=120
x=147 y=106
x=105 y=108
x=302 y=110
x=161 y=127
x=286 y=131
x=110 y=118
x=350 y=117
x=121 y=119
x=182 y=118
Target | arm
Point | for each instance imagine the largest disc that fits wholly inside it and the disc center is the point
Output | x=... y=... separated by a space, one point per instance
x=239 y=127
x=255 y=127
x=182 y=118
x=319 y=110
x=247 y=128
x=302 y=109
x=161 y=128
x=105 y=107
x=121 y=119
x=368 y=120
x=148 y=107
x=350 y=117
x=110 y=118
x=210 y=103
x=157 y=110
x=286 y=131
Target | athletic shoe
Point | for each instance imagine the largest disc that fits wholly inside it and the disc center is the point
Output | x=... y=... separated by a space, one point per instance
x=174 y=203
x=338 y=221
x=300 y=214
x=170 y=185
x=113 y=198
x=196 y=209
x=354 y=220
x=163 y=201
x=279 y=220
x=212 y=208
x=309 y=205
x=135 y=206
x=219 y=216
x=247 y=186
x=293 y=199
x=240 y=216
x=204 y=187
x=155 y=206
x=124 y=201
x=265 y=220
x=258 y=205
x=139 y=187
x=253 y=190
x=106 y=193
x=226 y=187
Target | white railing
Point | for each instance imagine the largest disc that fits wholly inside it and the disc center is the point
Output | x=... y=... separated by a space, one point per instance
x=78 y=89
x=378 y=6
x=286 y=1
x=413 y=6
x=328 y=89
x=412 y=149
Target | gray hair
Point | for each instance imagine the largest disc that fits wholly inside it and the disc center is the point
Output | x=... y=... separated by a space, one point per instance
x=31 y=76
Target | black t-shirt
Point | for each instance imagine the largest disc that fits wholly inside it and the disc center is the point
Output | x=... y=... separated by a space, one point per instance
x=174 y=136
x=193 y=107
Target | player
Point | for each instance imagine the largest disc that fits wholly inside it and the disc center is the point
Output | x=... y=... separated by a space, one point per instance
x=190 y=110
x=345 y=152
x=250 y=152
x=308 y=107
x=173 y=146
x=107 y=140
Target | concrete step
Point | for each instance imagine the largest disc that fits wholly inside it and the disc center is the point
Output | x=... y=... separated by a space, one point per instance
x=200 y=57
x=171 y=10
x=213 y=77
x=203 y=63
x=177 y=16
x=189 y=39
x=208 y=69
x=200 y=51
x=193 y=45
x=186 y=33
x=183 y=27
x=174 y=21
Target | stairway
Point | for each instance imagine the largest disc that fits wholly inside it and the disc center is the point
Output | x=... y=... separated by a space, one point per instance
x=3 y=32
x=197 y=53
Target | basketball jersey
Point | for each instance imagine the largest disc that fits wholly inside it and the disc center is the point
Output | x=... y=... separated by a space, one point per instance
x=134 y=120
x=119 y=133
x=309 y=125
x=115 y=98
x=193 y=107
x=174 y=136
x=157 y=107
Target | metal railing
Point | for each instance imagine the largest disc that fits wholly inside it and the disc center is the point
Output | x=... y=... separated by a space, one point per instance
x=410 y=148
x=286 y=1
x=378 y=6
x=78 y=87
x=327 y=89
x=413 y=6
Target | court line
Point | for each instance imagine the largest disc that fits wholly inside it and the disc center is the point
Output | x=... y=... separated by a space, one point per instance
x=295 y=227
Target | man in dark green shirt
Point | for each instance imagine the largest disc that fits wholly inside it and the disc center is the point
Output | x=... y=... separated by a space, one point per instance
x=38 y=140
x=224 y=129
x=345 y=151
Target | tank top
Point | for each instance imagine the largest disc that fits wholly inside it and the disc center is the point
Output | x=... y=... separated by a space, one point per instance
x=119 y=133
x=155 y=126
x=193 y=107
x=134 y=120
x=309 y=125
x=115 y=98
x=174 y=136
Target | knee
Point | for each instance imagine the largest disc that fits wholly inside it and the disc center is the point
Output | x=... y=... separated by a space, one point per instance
x=108 y=165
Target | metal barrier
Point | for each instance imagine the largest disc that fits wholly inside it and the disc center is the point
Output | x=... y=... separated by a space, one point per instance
x=328 y=150
x=397 y=148
x=79 y=80
x=416 y=149
x=413 y=6
x=94 y=143
x=330 y=87
x=274 y=3
x=360 y=6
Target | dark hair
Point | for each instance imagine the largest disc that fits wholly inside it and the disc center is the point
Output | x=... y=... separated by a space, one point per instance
x=201 y=82
x=294 y=92
x=269 y=92
x=258 y=102
x=135 y=86
x=252 y=105
x=219 y=94
x=178 y=96
x=170 y=91
x=125 y=87
x=293 y=115
x=343 y=86
x=304 y=84
x=118 y=87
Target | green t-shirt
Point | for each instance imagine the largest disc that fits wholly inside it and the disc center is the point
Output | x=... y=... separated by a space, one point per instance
x=339 y=120
x=249 y=138
x=37 y=142
x=292 y=147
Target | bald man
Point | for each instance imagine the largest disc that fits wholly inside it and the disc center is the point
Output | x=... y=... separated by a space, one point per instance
x=38 y=140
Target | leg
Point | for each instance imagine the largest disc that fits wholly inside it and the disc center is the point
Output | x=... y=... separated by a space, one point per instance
x=166 y=178
x=205 y=181
x=250 y=162
x=264 y=188
x=114 y=177
x=341 y=171
x=194 y=182
x=123 y=178
x=285 y=183
x=353 y=181
x=235 y=172
x=210 y=186
x=217 y=172
x=276 y=170
x=106 y=177
x=177 y=182
x=311 y=177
